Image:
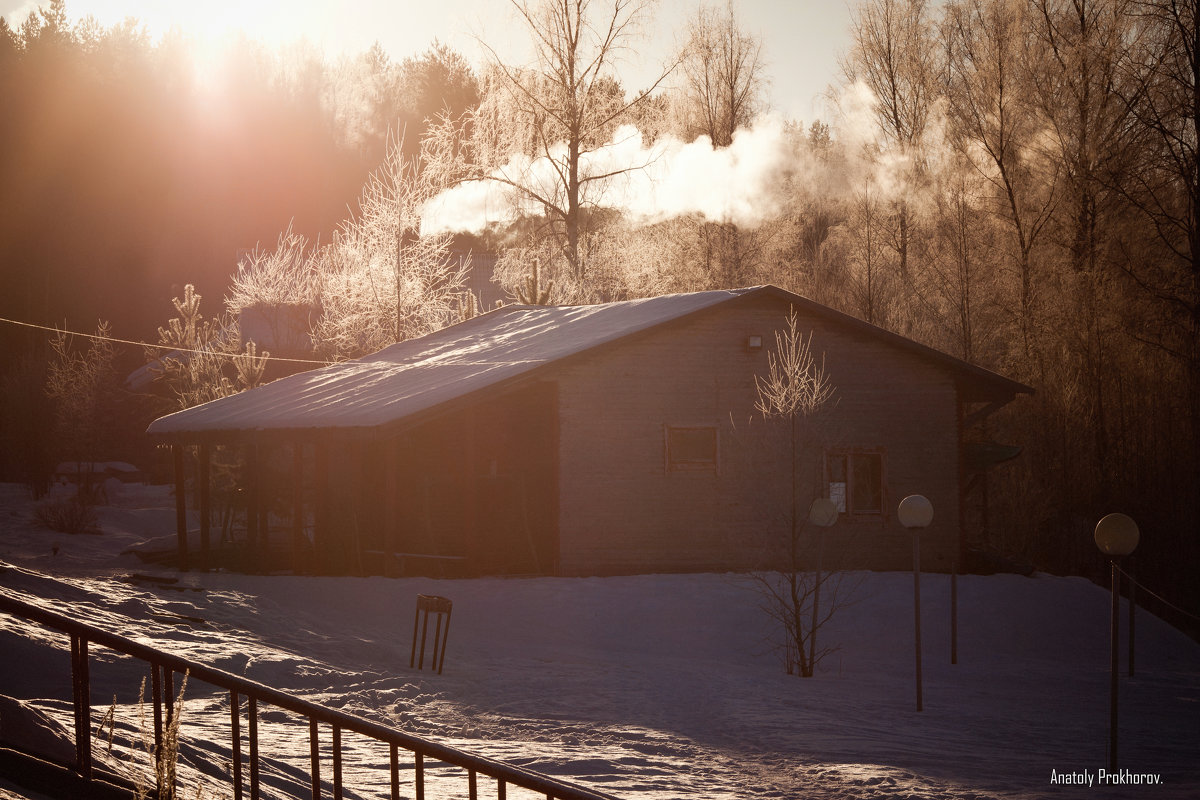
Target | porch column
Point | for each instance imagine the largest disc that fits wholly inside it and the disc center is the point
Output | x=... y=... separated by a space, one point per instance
x=262 y=482
x=202 y=478
x=321 y=504
x=297 y=505
x=252 y=498
x=470 y=492
x=391 y=523
x=361 y=510
x=180 y=505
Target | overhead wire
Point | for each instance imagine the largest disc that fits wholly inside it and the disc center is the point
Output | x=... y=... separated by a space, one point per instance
x=1158 y=597
x=167 y=347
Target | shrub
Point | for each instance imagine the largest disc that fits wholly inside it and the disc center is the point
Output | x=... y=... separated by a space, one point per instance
x=67 y=516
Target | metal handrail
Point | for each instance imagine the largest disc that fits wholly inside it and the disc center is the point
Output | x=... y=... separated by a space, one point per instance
x=83 y=633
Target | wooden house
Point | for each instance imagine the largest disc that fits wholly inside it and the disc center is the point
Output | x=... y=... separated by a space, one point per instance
x=575 y=440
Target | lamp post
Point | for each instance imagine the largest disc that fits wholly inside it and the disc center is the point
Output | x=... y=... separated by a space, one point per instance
x=1116 y=536
x=916 y=512
x=822 y=513
x=954 y=605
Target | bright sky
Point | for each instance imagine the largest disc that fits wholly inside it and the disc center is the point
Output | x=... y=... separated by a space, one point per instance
x=802 y=38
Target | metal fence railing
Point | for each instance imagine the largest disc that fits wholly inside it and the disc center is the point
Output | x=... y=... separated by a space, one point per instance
x=165 y=666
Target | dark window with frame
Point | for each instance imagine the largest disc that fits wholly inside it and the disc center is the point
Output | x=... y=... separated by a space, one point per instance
x=855 y=481
x=691 y=449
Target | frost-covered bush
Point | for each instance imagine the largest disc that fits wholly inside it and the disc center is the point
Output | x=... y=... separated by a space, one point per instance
x=207 y=360
x=71 y=515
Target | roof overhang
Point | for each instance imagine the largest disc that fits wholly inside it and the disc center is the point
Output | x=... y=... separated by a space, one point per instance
x=414 y=381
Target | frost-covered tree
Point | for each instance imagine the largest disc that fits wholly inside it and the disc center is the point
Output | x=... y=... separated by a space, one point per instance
x=795 y=390
x=381 y=280
x=82 y=387
x=723 y=81
x=541 y=129
x=206 y=359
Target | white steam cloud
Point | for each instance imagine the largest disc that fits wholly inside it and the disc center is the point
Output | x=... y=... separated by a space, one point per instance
x=744 y=183
x=767 y=167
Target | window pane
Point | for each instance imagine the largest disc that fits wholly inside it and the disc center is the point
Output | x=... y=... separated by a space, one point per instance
x=835 y=465
x=866 y=483
x=837 y=493
x=691 y=448
x=837 y=469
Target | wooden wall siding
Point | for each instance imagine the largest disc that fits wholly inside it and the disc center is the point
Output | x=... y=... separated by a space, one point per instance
x=621 y=511
x=478 y=485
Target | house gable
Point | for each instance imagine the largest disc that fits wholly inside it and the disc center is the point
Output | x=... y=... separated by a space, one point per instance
x=623 y=507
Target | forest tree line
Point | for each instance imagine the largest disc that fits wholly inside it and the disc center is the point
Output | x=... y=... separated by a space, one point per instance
x=1013 y=182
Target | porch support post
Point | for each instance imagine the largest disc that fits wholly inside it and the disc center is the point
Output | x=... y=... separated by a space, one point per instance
x=360 y=515
x=321 y=511
x=180 y=505
x=202 y=478
x=471 y=491
x=297 y=504
x=391 y=523
x=264 y=503
x=252 y=500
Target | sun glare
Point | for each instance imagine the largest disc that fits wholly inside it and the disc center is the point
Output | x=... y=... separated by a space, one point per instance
x=209 y=29
x=271 y=22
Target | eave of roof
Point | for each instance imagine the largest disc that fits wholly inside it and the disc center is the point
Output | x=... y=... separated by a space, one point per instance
x=975 y=382
x=418 y=375
x=412 y=379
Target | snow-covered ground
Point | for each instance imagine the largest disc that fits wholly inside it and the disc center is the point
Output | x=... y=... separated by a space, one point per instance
x=657 y=686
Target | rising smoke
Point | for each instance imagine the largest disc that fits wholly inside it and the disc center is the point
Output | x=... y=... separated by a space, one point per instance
x=743 y=183
x=767 y=167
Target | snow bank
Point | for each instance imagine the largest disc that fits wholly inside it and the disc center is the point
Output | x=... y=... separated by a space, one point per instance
x=657 y=686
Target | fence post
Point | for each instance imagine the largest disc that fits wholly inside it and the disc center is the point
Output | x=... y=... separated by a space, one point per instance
x=337 y=763
x=315 y=757
x=395 y=757
x=235 y=722
x=156 y=695
x=82 y=697
x=252 y=714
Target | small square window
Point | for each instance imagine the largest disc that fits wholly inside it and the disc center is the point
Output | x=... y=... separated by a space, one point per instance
x=854 y=481
x=691 y=448
x=867 y=489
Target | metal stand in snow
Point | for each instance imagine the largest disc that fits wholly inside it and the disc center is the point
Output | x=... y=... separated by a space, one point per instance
x=441 y=606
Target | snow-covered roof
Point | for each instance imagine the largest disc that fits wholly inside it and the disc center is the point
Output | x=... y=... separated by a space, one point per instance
x=421 y=374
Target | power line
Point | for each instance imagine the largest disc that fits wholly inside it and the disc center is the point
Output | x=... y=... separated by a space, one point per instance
x=168 y=347
x=1158 y=597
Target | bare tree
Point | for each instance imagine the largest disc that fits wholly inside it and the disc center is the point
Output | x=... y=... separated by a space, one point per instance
x=957 y=292
x=895 y=56
x=723 y=81
x=993 y=119
x=796 y=390
x=722 y=91
x=82 y=385
x=1077 y=47
x=566 y=104
x=869 y=285
x=1162 y=93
